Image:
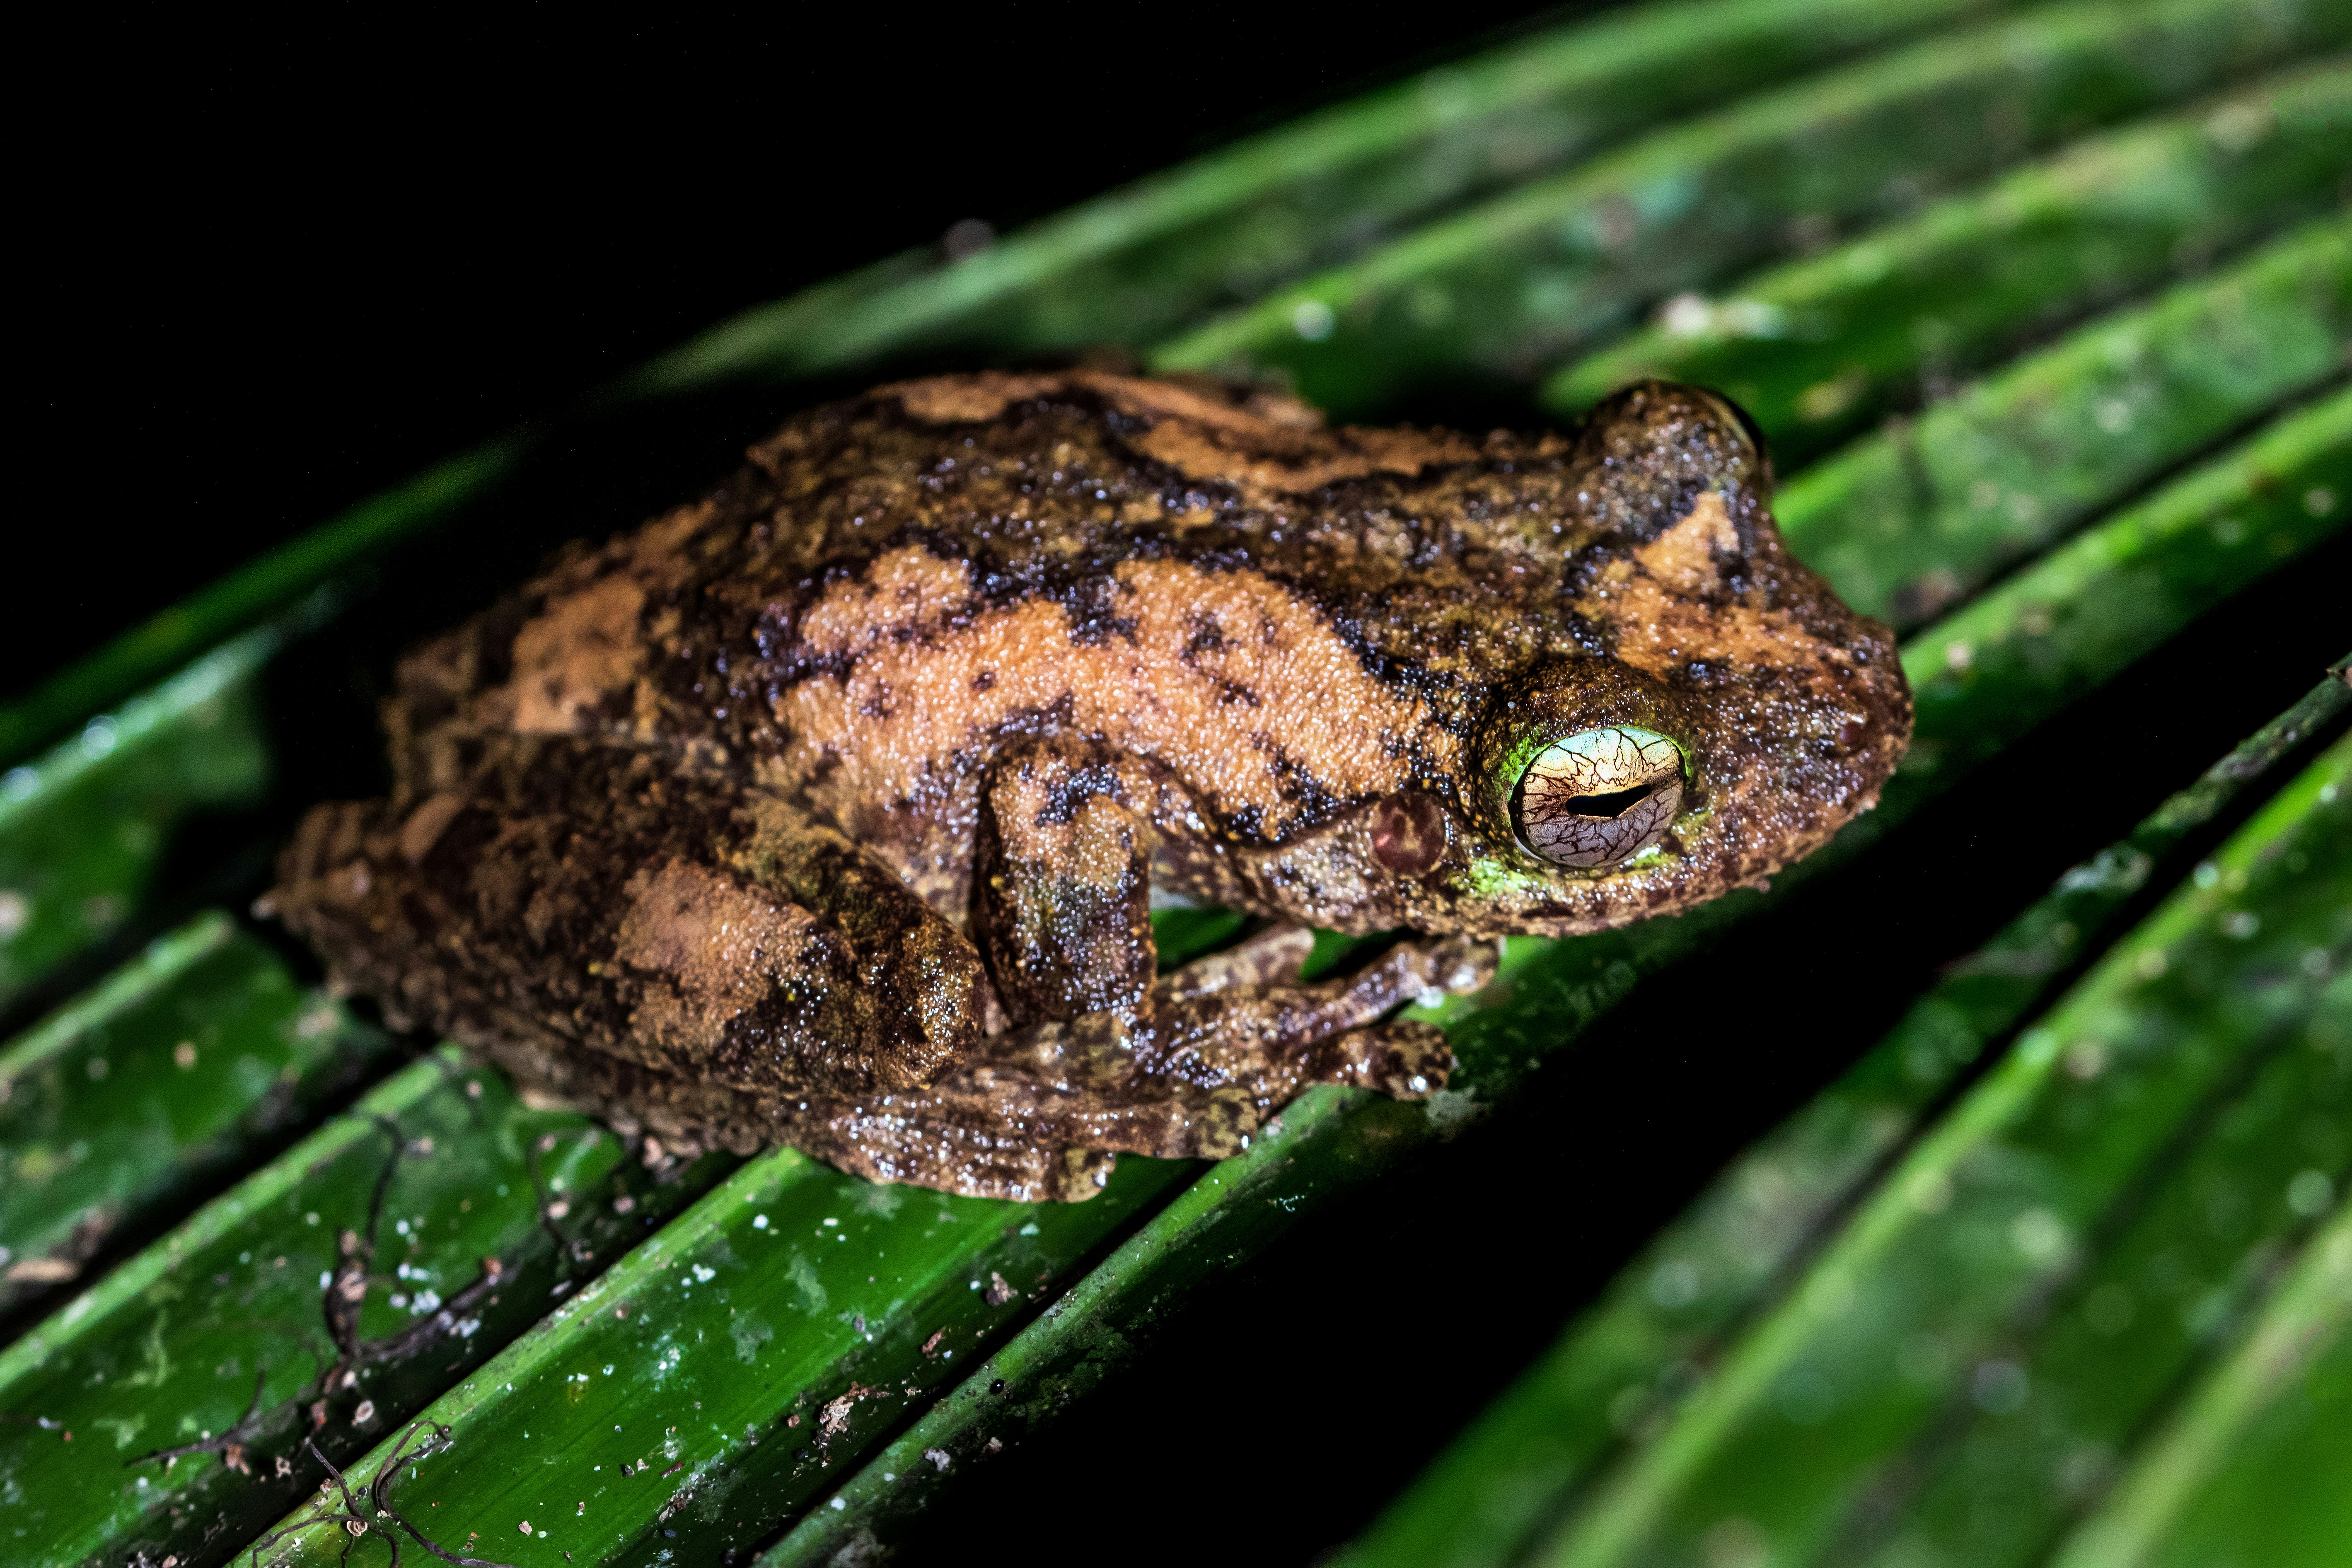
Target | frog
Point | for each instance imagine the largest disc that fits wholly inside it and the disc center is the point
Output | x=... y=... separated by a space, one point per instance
x=833 y=809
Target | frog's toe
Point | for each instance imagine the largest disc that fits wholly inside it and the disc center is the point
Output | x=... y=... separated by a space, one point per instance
x=1460 y=965
x=1080 y=1173
x=1403 y=1060
x=1222 y=1125
x=1272 y=957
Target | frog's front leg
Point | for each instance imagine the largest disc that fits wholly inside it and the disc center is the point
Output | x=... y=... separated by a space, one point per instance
x=1240 y=1025
x=1061 y=908
x=1061 y=885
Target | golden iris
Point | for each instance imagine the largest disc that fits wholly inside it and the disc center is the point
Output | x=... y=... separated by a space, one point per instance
x=1599 y=796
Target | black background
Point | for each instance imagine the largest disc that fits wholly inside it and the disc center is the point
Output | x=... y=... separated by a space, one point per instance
x=266 y=269
x=263 y=273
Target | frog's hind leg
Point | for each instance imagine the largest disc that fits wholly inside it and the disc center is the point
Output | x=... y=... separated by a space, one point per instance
x=577 y=899
x=1042 y=1110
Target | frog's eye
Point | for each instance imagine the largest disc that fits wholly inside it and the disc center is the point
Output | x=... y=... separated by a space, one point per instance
x=1599 y=797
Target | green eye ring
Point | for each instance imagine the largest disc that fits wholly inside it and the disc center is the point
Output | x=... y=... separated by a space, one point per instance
x=1599 y=797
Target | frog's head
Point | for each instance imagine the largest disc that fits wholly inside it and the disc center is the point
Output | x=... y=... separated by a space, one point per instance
x=1580 y=796
x=1716 y=714
x=1592 y=795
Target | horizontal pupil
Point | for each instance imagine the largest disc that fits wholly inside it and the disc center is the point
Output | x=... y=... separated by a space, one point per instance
x=1610 y=804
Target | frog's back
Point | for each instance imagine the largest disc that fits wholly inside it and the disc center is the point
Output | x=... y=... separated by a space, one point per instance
x=1287 y=617
x=885 y=524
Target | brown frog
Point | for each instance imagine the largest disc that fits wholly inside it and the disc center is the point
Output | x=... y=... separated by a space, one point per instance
x=830 y=810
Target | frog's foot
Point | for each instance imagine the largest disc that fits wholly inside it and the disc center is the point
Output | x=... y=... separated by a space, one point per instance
x=980 y=1136
x=1272 y=957
x=1214 y=1052
x=1044 y=1110
x=1403 y=1060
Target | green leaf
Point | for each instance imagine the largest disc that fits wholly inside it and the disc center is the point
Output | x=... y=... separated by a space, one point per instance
x=2035 y=655
x=1816 y=348
x=1917 y=517
x=771 y=1398
x=1509 y=287
x=121 y=1105
x=1929 y=1306
x=711 y=1381
x=1222 y=229
x=83 y=829
x=221 y=1327
x=2178 y=1269
x=300 y=583
x=2057 y=630
x=1624 y=1365
x=2251 y=1468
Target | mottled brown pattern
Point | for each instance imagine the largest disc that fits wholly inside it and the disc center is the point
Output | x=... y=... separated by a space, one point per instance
x=826 y=809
